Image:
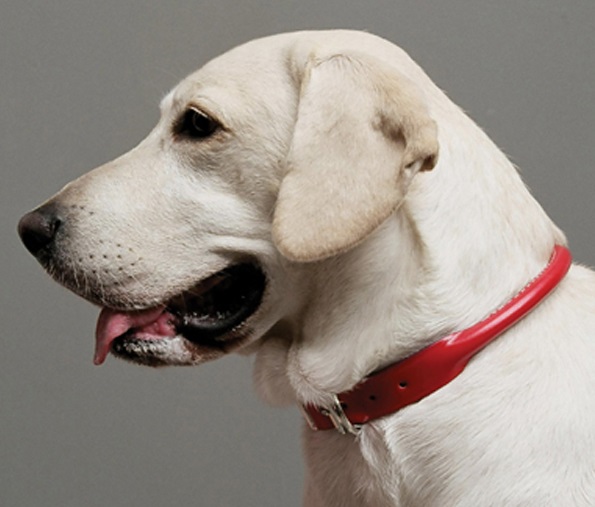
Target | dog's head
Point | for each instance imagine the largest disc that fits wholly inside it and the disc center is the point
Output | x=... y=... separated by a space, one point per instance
x=282 y=152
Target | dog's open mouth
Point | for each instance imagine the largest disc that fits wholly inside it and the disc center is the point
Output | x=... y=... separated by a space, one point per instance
x=206 y=316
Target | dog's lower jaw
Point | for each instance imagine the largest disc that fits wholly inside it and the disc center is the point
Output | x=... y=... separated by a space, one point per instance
x=155 y=353
x=172 y=351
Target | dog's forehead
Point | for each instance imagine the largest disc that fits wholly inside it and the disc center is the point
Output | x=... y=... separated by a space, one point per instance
x=250 y=79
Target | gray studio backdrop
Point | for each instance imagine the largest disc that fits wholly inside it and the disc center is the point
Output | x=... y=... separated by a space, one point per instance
x=80 y=81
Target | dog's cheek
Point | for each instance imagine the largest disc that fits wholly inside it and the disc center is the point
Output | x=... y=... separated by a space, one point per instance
x=270 y=373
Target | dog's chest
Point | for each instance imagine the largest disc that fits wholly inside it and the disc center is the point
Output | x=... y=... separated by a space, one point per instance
x=347 y=471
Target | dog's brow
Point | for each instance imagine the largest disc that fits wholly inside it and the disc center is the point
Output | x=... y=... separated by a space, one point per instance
x=166 y=101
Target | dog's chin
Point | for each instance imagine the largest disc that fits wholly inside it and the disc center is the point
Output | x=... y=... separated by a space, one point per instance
x=201 y=324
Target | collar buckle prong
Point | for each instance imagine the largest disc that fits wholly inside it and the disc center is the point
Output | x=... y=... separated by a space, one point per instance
x=341 y=422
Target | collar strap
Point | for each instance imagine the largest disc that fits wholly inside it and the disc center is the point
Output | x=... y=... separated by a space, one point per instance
x=408 y=381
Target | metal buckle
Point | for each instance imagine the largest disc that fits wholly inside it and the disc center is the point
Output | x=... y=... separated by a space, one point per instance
x=340 y=421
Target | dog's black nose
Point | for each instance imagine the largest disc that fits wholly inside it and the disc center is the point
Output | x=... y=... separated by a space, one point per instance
x=38 y=228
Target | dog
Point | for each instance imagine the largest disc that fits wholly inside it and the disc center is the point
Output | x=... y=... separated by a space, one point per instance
x=315 y=199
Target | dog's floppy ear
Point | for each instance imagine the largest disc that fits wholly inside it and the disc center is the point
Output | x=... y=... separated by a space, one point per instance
x=362 y=132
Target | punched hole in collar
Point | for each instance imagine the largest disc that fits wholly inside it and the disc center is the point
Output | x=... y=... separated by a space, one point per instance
x=403 y=384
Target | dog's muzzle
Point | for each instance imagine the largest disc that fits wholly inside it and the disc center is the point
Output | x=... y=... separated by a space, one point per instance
x=205 y=320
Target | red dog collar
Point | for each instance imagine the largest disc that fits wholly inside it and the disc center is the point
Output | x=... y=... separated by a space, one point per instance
x=419 y=375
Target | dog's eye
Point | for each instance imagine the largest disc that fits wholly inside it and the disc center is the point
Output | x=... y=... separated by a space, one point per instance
x=197 y=125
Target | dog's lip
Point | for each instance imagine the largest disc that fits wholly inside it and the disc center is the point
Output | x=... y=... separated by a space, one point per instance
x=208 y=315
x=151 y=324
x=155 y=323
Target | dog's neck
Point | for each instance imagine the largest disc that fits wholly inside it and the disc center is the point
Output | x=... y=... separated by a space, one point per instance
x=441 y=263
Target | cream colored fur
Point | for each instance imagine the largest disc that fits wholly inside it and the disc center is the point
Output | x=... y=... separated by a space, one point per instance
x=384 y=219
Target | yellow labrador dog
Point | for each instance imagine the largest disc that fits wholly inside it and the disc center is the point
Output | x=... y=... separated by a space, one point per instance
x=315 y=199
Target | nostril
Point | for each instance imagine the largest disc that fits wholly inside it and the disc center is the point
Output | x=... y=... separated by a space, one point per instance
x=37 y=229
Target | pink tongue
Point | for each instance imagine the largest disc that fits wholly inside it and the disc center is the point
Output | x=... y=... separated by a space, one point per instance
x=151 y=324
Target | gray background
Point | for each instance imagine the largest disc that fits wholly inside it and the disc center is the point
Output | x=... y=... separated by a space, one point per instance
x=80 y=82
